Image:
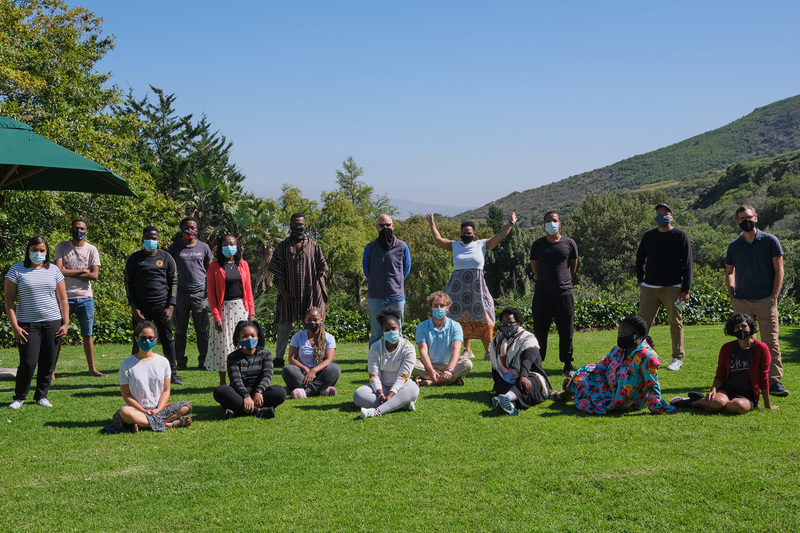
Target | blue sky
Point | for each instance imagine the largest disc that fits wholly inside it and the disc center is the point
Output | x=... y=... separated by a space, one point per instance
x=452 y=103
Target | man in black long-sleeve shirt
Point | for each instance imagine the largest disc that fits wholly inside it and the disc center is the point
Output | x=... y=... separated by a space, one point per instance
x=664 y=272
x=151 y=282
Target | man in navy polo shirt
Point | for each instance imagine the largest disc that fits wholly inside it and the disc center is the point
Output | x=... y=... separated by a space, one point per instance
x=439 y=342
x=754 y=276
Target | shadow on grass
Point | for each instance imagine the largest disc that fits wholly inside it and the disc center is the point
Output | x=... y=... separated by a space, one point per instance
x=74 y=424
x=791 y=342
x=97 y=386
x=477 y=396
x=63 y=375
x=345 y=407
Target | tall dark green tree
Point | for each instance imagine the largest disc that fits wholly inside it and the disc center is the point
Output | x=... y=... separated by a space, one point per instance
x=361 y=195
x=507 y=267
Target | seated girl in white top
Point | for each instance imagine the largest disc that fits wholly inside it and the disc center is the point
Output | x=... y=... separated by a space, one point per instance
x=144 y=380
x=389 y=364
x=311 y=370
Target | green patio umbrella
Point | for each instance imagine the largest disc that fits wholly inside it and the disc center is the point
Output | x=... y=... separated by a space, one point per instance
x=28 y=162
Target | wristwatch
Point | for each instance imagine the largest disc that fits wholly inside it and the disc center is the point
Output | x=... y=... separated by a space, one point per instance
x=448 y=370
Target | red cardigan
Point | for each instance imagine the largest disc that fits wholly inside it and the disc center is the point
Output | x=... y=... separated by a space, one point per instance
x=216 y=288
x=759 y=366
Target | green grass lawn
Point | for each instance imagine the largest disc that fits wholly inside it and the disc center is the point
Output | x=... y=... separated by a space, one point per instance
x=453 y=465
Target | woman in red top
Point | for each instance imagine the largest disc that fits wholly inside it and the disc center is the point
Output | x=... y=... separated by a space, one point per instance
x=230 y=297
x=742 y=373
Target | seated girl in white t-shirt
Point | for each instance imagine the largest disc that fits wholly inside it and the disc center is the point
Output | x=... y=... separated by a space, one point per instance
x=311 y=370
x=144 y=380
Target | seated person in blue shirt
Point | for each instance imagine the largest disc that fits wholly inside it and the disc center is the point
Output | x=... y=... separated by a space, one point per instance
x=439 y=342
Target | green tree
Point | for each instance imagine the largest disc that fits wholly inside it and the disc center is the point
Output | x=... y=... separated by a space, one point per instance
x=361 y=195
x=507 y=267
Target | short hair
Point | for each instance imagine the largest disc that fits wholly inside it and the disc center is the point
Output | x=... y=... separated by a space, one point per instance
x=744 y=207
x=737 y=319
x=469 y=224
x=296 y=215
x=143 y=325
x=388 y=313
x=77 y=220
x=148 y=229
x=249 y=323
x=551 y=213
x=513 y=311
x=32 y=242
x=439 y=294
x=187 y=219
x=220 y=257
x=639 y=327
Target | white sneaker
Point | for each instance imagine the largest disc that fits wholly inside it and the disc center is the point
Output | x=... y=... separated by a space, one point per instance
x=411 y=406
x=466 y=354
x=369 y=413
x=675 y=365
x=44 y=403
x=16 y=404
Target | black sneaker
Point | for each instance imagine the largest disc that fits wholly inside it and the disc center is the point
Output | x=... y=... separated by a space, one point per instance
x=682 y=403
x=694 y=396
x=266 y=412
x=182 y=366
x=569 y=370
x=279 y=362
x=228 y=414
x=776 y=388
x=176 y=380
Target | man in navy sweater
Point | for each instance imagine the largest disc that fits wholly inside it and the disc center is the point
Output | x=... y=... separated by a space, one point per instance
x=664 y=272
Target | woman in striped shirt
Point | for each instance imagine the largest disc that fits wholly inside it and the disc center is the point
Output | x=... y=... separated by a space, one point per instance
x=37 y=308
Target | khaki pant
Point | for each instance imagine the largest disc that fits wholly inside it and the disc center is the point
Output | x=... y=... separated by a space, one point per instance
x=463 y=367
x=765 y=312
x=649 y=301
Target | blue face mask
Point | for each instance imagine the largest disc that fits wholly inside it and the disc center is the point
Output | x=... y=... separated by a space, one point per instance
x=229 y=251
x=662 y=220
x=509 y=330
x=439 y=312
x=146 y=346
x=391 y=336
x=248 y=344
x=150 y=244
x=37 y=257
x=78 y=235
x=551 y=227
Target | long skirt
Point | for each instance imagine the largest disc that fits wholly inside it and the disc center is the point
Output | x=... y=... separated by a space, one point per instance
x=473 y=305
x=221 y=343
x=157 y=421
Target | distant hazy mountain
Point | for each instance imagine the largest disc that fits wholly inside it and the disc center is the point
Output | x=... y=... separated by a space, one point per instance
x=770 y=130
x=408 y=208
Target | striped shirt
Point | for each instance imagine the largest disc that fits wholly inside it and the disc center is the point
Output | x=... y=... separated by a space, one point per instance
x=36 y=292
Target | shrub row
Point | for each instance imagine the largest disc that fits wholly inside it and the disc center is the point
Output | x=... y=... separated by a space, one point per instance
x=706 y=306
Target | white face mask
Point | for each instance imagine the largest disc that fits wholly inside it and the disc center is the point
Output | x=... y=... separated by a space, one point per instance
x=551 y=227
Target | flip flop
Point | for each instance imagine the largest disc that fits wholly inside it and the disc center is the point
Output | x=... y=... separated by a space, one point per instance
x=99 y=374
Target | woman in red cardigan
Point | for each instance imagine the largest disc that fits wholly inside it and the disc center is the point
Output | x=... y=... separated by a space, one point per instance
x=742 y=373
x=230 y=297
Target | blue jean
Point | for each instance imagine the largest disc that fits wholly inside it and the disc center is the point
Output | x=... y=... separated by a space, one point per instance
x=375 y=306
x=83 y=309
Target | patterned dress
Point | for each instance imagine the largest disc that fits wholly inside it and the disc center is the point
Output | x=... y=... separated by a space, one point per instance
x=473 y=305
x=621 y=383
x=303 y=275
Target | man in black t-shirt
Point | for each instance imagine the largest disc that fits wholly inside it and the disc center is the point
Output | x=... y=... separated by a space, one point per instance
x=664 y=272
x=151 y=282
x=554 y=260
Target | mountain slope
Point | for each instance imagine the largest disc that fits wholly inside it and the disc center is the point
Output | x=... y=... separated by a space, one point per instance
x=769 y=130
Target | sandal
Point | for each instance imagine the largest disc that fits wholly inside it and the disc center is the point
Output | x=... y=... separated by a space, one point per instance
x=458 y=383
x=98 y=374
x=183 y=422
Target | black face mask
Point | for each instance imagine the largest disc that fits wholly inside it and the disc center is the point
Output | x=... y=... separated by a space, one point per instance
x=297 y=233
x=313 y=326
x=626 y=342
x=386 y=238
x=466 y=239
x=742 y=334
x=747 y=225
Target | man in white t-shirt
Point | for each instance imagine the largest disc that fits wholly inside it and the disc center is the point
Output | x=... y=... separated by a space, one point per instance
x=79 y=261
